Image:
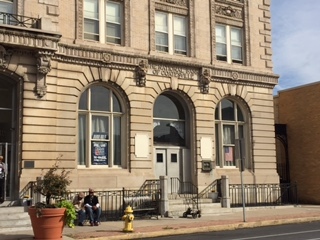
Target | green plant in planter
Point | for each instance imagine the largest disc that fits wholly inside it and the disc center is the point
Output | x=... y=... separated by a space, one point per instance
x=71 y=212
x=54 y=185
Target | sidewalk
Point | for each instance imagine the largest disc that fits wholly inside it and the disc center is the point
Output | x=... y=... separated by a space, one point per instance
x=255 y=217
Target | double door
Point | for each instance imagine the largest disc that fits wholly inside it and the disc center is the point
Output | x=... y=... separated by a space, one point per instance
x=168 y=163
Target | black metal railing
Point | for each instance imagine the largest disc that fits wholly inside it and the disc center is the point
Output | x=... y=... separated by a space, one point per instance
x=27 y=193
x=263 y=194
x=185 y=190
x=19 y=20
x=212 y=187
x=146 y=199
x=182 y=188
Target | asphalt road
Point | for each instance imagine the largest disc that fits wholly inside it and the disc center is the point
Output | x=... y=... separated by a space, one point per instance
x=299 y=231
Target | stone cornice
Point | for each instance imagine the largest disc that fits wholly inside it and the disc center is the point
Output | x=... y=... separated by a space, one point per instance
x=29 y=38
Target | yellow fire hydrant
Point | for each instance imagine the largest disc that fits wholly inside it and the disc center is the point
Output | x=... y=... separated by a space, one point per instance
x=128 y=219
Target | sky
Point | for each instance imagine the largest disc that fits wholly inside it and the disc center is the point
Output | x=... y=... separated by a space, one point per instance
x=295 y=42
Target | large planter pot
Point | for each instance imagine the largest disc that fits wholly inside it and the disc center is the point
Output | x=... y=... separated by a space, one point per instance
x=50 y=225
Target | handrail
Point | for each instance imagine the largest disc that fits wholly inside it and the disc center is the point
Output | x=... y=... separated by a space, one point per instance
x=28 y=191
x=212 y=187
x=186 y=190
x=150 y=188
x=182 y=188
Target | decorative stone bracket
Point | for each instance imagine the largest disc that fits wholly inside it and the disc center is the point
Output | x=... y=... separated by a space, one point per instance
x=204 y=80
x=141 y=73
x=5 y=56
x=43 y=67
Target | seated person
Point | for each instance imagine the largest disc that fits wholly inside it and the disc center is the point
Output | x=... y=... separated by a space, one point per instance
x=78 y=203
x=92 y=207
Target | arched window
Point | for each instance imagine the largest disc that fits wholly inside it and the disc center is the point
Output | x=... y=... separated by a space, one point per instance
x=168 y=121
x=229 y=126
x=100 y=127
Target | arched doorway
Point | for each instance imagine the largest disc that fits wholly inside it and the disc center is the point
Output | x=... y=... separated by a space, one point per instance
x=9 y=91
x=171 y=137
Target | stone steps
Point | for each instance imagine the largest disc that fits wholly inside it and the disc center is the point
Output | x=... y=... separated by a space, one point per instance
x=179 y=206
x=14 y=218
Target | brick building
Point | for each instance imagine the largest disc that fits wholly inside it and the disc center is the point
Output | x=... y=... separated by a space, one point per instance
x=123 y=91
x=300 y=120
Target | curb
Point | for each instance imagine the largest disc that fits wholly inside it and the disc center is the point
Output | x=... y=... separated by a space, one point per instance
x=223 y=227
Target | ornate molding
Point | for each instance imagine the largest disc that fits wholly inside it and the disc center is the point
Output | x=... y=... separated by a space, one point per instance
x=187 y=69
x=229 y=11
x=183 y=3
x=167 y=70
x=141 y=73
x=232 y=2
x=204 y=80
x=244 y=78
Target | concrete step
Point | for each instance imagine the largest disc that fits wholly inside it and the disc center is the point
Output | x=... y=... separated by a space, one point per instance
x=178 y=206
x=15 y=218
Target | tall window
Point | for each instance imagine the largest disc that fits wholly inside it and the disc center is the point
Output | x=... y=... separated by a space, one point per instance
x=229 y=44
x=103 y=21
x=100 y=127
x=229 y=126
x=171 y=33
x=168 y=121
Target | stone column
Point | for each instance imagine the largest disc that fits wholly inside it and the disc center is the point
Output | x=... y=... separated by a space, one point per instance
x=225 y=201
x=164 y=201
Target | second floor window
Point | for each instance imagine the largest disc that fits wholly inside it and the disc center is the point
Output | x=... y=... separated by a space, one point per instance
x=229 y=44
x=103 y=21
x=171 y=33
x=6 y=6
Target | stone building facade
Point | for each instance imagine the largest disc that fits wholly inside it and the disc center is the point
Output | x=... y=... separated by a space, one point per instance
x=299 y=154
x=122 y=91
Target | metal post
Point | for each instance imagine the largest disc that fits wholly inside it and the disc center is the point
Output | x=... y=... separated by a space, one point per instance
x=243 y=198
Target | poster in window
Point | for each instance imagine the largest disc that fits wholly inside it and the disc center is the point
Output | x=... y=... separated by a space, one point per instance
x=99 y=153
x=228 y=154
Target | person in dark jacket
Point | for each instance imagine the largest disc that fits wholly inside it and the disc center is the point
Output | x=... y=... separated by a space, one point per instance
x=92 y=207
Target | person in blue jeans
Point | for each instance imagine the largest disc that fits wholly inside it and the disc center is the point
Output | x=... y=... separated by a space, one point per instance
x=78 y=203
x=92 y=207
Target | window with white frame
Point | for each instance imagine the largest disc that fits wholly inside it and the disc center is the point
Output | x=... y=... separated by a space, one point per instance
x=229 y=44
x=229 y=126
x=171 y=33
x=100 y=127
x=103 y=21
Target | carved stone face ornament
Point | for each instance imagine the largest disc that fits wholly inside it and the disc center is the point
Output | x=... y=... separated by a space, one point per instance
x=43 y=67
x=205 y=80
x=141 y=73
